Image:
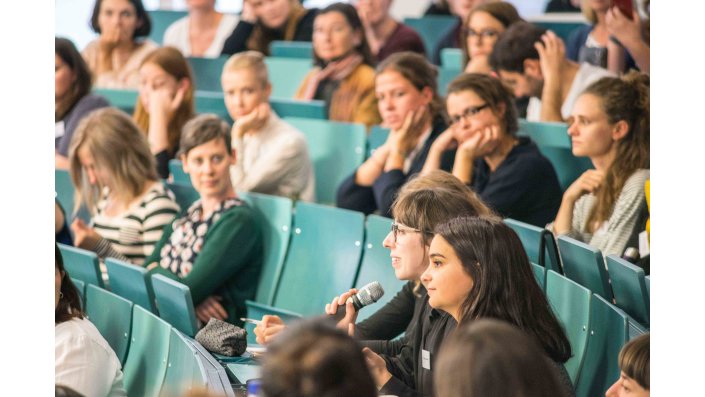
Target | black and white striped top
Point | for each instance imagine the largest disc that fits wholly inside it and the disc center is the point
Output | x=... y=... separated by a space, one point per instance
x=133 y=234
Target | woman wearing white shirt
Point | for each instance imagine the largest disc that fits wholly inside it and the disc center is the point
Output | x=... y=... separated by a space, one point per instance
x=83 y=359
x=201 y=33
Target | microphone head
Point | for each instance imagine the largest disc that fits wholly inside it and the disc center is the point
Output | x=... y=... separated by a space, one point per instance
x=370 y=293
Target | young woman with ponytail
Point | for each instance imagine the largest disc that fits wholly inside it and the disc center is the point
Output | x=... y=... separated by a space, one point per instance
x=610 y=125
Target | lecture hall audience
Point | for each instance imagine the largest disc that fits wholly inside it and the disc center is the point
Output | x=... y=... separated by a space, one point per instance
x=202 y=32
x=483 y=25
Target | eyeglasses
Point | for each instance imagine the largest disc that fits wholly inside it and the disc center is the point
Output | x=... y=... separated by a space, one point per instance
x=468 y=113
x=396 y=230
x=484 y=34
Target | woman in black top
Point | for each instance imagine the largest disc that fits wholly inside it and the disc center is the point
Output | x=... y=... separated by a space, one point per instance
x=263 y=21
x=508 y=172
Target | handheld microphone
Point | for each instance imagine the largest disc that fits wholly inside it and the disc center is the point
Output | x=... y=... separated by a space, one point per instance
x=367 y=295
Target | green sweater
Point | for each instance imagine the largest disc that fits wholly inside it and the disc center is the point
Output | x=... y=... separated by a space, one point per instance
x=228 y=264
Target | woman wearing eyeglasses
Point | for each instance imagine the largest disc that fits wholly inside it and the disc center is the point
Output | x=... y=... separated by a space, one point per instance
x=508 y=172
x=482 y=27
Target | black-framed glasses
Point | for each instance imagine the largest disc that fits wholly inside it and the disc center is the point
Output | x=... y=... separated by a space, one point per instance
x=483 y=34
x=468 y=113
x=396 y=230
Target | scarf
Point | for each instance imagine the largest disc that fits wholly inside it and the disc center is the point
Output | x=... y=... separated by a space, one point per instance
x=336 y=70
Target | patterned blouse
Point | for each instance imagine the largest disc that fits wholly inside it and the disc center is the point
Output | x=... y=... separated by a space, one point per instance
x=186 y=241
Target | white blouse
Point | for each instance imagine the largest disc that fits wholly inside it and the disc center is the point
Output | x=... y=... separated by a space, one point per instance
x=84 y=361
x=177 y=35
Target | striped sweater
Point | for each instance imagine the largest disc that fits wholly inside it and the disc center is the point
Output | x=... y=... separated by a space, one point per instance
x=131 y=236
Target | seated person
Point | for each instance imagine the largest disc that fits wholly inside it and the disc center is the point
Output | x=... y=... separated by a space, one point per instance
x=483 y=25
x=116 y=178
x=489 y=357
x=116 y=55
x=408 y=100
x=454 y=37
x=634 y=365
x=610 y=125
x=631 y=35
x=61 y=227
x=72 y=97
x=474 y=262
x=271 y=156
x=202 y=32
x=541 y=71
x=508 y=172
x=263 y=21
x=165 y=103
x=313 y=358
x=343 y=76
x=83 y=360
x=385 y=35
x=216 y=247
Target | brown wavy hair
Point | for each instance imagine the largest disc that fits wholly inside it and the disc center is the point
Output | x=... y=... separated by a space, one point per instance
x=622 y=99
x=173 y=62
x=64 y=49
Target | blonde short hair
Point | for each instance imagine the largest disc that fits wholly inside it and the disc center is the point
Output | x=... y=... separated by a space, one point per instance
x=248 y=60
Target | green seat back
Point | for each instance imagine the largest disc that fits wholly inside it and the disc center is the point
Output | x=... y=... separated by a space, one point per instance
x=64 y=192
x=147 y=359
x=81 y=265
x=336 y=150
x=131 y=282
x=608 y=333
x=629 y=287
x=377 y=137
x=376 y=264
x=175 y=304
x=185 y=194
x=176 y=170
x=285 y=107
x=256 y=311
x=533 y=238
x=431 y=29
x=647 y=281
x=585 y=265
x=571 y=304
x=562 y=29
x=568 y=167
x=552 y=134
x=636 y=329
x=184 y=370
x=291 y=49
x=112 y=315
x=452 y=58
x=445 y=76
x=81 y=288
x=286 y=74
x=124 y=100
x=206 y=72
x=274 y=215
x=540 y=273
x=161 y=19
x=323 y=257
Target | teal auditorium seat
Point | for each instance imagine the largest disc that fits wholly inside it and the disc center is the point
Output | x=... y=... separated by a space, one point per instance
x=185 y=194
x=452 y=58
x=562 y=29
x=286 y=74
x=629 y=287
x=184 y=369
x=81 y=265
x=647 y=281
x=445 y=76
x=274 y=215
x=323 y=257
x=124 y=100
x=540 y=274
x=147 y=359
x=431 y=29
x=376 y=264
x=174 y=304
x=256 y=311
x=377 y=137
x=554 y=143
x=81 y=287
x=161 y=19
x=214 y=102
x=112 y=315
x=64 y=192
x=131 y=282
x=207 y=72
x=585 y=265
x=571 y=304
x=292 y=49
x=608 y=333
x=336 y=150
x=176 y=170
x=537 y=244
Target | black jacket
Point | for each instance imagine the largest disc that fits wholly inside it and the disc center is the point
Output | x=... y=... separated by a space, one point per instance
x=237 y=41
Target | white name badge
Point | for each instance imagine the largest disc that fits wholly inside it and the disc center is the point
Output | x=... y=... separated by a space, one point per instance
x=58 y=129
x=426 y=359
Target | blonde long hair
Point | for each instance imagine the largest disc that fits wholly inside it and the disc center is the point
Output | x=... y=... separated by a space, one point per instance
x=173 y=62
x=119 y=149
